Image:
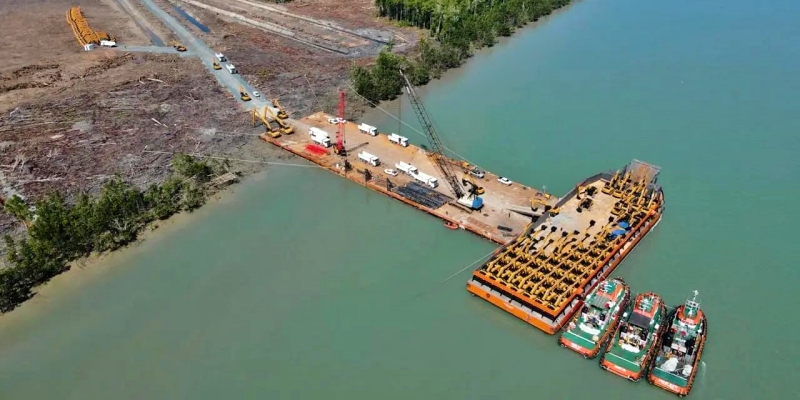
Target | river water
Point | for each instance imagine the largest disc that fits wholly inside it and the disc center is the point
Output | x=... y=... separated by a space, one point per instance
x=300 y=285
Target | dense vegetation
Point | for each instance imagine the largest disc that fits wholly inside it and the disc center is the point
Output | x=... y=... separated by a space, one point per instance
x=457 y=27
x=60 y=232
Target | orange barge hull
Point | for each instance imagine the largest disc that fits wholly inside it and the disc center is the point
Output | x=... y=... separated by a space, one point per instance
x=509 y=298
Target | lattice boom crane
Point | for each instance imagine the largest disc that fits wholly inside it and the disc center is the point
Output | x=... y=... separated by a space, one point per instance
x=433 y=138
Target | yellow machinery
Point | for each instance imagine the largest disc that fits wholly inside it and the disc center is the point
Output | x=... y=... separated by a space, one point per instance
x=475 y=189
x=178 y=46
x=216 y=65
x=281 y=112
x=244 y=96
x=81 y=29
x=272 y=130
x=285 y=128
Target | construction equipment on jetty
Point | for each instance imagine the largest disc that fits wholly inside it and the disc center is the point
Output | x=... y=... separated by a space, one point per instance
x=541 y=276
x=678 y=360
x=471 y=200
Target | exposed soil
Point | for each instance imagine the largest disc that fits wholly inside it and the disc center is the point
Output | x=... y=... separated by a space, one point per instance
x=71 y=119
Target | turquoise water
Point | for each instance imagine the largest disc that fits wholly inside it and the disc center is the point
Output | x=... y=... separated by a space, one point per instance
x=303 y=285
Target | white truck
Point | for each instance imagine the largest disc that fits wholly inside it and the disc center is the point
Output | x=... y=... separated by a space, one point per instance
x=426 y=179
x=398 y=140
x=370 y=159
x=368 y=129
x=320 y=137
x=406 y=167
x=231 y=68
x=108 y=43
x=220 y=57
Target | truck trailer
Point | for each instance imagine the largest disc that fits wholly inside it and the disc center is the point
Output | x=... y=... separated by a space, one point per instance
x=370 y=159
x=320 y=137
x=398 y=140
x=368 y=129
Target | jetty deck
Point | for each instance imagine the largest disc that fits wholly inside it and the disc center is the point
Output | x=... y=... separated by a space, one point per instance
x=506 y=206
x=541 y=276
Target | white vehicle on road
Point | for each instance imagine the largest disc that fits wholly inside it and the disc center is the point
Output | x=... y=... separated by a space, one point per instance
x=504 y=181
x=336 y=120
x=390 y=172
x=256 y=94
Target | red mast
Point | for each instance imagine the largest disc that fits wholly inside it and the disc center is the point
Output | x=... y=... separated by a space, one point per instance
x=339 y=149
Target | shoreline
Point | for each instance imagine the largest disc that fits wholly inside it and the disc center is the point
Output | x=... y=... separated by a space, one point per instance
x=455 y=73
x=87 y=269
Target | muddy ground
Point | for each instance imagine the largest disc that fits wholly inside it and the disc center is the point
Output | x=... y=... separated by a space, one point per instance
x=70 y=119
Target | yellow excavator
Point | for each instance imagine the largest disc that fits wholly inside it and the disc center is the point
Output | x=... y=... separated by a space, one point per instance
x=281 y=112
x=216 y=65
x=285 y=128
x=475 y=189
x=271 y=130
x=178 y=46
x=243 y=94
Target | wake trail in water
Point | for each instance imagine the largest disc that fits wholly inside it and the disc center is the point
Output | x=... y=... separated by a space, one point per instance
x=703 y=372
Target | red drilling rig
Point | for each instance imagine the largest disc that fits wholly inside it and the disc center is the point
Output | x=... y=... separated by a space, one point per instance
x=339 y=148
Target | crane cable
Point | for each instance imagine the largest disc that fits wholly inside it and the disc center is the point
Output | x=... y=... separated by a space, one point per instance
x=409 y=126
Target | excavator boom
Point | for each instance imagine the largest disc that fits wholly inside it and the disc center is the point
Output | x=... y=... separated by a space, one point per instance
x=284 y=127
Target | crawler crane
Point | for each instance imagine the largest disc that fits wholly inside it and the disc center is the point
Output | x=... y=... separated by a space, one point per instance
x=469 y=200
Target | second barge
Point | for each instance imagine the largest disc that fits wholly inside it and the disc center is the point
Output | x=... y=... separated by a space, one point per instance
x=542 y=276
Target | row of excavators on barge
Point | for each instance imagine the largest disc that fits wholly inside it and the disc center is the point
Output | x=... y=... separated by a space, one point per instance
x=541 y=276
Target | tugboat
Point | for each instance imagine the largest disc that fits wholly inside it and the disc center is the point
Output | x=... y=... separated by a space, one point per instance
x=637 y=338
x=676 y=365
x=591 y=328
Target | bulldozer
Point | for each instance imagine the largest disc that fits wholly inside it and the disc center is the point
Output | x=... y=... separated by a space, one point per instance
x=243 y=94
x=178 y=46
x=216 y=65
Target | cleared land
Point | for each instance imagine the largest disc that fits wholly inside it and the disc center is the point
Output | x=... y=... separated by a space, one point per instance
x=72 y=119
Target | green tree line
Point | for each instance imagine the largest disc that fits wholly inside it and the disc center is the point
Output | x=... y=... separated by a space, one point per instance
x=59 y=232
x=457 y=28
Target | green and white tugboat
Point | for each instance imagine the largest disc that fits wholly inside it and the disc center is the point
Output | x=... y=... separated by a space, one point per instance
x=596 y=322
x=637 y=338
x=676 y=365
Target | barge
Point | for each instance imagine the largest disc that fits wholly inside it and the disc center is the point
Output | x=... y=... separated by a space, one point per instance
x=542 y=275
x=391 y=165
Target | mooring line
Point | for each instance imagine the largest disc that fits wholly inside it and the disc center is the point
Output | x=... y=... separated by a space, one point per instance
x=236 y=159
x=468 y=266
x=407 y=125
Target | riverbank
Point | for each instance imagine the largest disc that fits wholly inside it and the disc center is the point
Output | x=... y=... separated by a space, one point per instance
x=86 y=270
x=243 y=151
